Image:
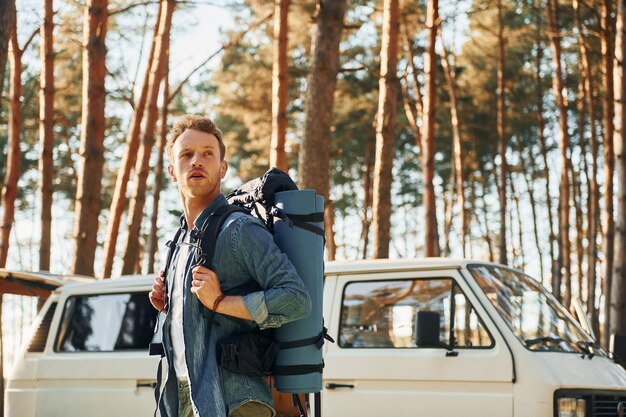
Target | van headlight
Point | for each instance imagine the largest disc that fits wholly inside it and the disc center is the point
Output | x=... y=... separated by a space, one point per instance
x=571 y=407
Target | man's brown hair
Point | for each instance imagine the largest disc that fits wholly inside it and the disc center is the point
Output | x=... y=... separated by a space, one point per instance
x=200 y=123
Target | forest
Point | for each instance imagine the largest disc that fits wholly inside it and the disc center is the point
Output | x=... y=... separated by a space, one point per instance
x=488 y=129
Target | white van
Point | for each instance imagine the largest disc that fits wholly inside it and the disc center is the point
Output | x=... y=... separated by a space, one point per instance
x=432 y=337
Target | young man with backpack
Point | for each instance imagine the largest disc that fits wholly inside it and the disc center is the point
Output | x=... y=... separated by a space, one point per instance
x=248 y=284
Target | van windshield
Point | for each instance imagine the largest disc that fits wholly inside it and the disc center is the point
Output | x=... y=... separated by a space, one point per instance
x=538 y=320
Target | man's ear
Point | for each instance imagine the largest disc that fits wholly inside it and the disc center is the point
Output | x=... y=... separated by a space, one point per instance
x=170 y=171
x=223 y=169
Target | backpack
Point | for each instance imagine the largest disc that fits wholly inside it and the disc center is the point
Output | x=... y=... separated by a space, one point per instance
x=292 y=353
x=259 y=352
x=261 y=198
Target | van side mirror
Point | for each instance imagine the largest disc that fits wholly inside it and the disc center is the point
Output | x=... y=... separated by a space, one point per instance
x=617 y=345
x=428 y=329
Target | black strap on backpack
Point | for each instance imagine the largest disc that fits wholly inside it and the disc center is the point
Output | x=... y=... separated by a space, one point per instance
x=156 y=348
x=318 y=341
x=207 y=233
x=204 y=257
x=297 y=402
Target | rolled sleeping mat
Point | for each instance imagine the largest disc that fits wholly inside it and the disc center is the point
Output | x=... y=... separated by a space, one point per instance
x=298 y=369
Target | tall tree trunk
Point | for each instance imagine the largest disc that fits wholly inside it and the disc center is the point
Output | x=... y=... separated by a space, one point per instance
x=472 y=213
x=592 y=187
x=544 y=155
x=278 y=157
x=9 y=47
x=618 y=294
x=561 y=102
x=447 y=213
x=385 y=129
x=7 y=21
x=520 y=241
x=431 y=243
x=581 y=234
x=367 y=197
x=580 y=250
x=502 y=134
x=129 y=159
x=91 y=139
x=593 y=216
x=528 y=177
x=142 y=168
x=314 y=157
x=158 y=173
x=415 y=86
x=606 y=40
x=46 y=133
x=12 y=173
x=457 y=145
x=487 y=233
x=408 y=111
x=329 y=219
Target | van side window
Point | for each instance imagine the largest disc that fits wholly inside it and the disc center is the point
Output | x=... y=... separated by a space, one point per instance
x=383 y=314
x=104 y=323
x=38 y=342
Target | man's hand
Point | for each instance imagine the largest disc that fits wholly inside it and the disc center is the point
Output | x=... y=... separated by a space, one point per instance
x=157 y=296
x=205 y=285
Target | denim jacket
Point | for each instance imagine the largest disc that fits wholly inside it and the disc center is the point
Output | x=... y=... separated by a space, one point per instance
x=244 y=251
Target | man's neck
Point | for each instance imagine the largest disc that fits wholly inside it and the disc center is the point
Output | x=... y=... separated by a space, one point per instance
x=192 y=208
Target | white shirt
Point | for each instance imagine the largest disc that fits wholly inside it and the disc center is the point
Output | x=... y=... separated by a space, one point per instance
x=176 y=330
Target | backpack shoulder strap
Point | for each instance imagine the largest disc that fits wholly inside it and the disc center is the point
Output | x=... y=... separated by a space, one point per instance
x=156 y=348
x=207 y=234
x=171 y=245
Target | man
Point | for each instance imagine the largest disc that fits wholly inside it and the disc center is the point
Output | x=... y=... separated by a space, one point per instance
x=199 y=314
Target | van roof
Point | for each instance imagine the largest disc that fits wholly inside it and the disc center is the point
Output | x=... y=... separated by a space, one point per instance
x=395 y=265
x=38 y=284
x=331 y=268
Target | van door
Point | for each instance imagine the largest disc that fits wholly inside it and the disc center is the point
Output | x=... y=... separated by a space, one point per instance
x=98 y=362
x=377 y=368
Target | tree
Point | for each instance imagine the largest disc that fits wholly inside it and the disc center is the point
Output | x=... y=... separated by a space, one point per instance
x=92 y=137
x=128 y=160
x=314 y=155
x=431 y=244
x=606 y=39
x=592 y=189
x=158 y=173
x=7 y=20
x=12 y=172
x=618 y=293
x=385 y=125
x=415 y=86
x=457 y=145
x=564 y=206
x=142 y=168
x=544 y=152
x=278 y=158
x=46 y=133
x=502 y=135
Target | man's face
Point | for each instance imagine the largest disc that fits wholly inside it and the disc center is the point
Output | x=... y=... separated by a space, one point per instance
x=196 y=165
